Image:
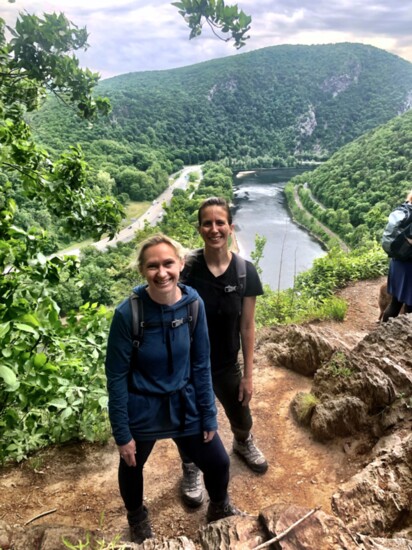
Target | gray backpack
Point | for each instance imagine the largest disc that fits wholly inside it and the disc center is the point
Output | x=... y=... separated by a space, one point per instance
x=399 y=227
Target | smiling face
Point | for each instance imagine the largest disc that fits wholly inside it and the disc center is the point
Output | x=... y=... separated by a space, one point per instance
x=214 y=227
x=161 y=267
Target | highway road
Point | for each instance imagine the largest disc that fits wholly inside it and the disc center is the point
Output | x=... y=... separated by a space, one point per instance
x=152 y=215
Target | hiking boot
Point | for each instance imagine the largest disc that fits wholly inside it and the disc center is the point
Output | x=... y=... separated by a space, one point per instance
x=220 y=510
x=139 y=525
x=253 y=457
x=191 y=488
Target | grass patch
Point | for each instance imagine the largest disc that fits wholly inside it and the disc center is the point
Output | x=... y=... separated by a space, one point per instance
x=134 y=210
x=75 y=244
x=337 y=366
x=333 y=308
x=304 y=405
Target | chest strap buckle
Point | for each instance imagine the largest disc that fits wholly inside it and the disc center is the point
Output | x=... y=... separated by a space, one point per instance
x=177 y=322
x=230 y=288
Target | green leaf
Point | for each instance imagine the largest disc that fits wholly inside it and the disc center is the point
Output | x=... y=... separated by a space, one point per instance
x=8 y=375
x=103 y=401
x=59 y=403
x=39 y=360
x=26 y=328
x=30 y=319
x=4 y=329
x=66 y=413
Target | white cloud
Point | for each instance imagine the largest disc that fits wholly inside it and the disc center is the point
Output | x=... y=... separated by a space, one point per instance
x=127 y=36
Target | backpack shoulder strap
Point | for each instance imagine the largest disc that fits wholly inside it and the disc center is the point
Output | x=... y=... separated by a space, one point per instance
x=136 y=306
x=240 y=264
x=193 y=314
x=138 y=323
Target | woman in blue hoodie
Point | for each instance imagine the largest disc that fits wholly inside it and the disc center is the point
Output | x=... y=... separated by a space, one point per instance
x=163 y=389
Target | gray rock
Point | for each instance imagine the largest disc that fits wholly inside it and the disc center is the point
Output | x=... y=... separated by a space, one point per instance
x=377 y=500
x=342 y=416
x=373 y=543
x=320 y=530
x=178 y=543
x=296 y=348
x=240 y=532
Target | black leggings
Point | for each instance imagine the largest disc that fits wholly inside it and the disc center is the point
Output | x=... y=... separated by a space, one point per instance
x=211 y=458
x=394 y=308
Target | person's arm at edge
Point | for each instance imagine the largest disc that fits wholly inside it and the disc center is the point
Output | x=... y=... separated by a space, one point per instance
x=117 y=367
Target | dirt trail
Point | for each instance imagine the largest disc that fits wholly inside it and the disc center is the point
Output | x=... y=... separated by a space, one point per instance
x=80 y=481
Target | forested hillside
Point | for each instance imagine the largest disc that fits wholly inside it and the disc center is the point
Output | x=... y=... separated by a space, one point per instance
x=270 y=107
x=361 y=183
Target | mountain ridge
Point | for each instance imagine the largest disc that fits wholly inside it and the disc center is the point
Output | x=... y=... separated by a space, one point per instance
x=281 y=103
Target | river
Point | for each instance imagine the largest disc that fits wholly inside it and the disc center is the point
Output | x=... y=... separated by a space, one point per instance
x=260 y=209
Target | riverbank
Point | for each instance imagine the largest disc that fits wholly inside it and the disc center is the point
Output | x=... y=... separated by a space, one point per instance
x=234 y=245
x=260 y=210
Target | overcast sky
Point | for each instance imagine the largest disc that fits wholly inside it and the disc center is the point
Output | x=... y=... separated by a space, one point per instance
x=127 y=36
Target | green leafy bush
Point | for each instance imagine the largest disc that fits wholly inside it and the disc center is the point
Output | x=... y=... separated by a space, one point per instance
x=312 y=297
x=53 y=383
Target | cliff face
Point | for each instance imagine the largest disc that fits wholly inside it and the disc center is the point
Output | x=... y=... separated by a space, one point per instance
x=363 y=396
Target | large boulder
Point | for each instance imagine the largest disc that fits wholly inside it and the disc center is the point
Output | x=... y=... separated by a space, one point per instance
x=377 y=500
x=389 y=349
x=240 y=532
x=53 y=537
x=297 y=348
x=319 y=530
x=364 y=389
x=342 y=416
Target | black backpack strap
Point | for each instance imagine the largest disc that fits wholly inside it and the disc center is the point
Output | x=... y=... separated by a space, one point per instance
x=137 y=320
x=193 y=313
x=138 y=323
x=240 y=272
x=240 y=265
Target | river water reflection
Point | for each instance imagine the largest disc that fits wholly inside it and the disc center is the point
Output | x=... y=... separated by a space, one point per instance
x=260 y=208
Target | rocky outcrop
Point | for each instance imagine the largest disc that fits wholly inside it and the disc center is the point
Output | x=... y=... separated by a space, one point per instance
x=365 y=393
x=293 y=527
x=296 y=348
x=338 y=417
x=235 y=532
x=378 y=499
x=61 y=537
x=337 y=84
x=328 y=531
x=367 y=388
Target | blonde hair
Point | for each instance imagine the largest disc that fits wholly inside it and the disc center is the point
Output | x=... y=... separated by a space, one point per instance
x=409 y=196
x=154 y=240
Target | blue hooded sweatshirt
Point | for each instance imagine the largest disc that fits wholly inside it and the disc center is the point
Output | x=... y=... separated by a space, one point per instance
x=168 y=392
